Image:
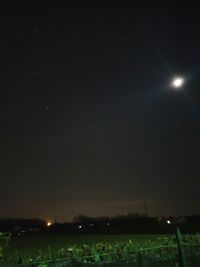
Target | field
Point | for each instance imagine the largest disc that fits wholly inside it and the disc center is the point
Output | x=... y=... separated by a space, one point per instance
x=30 y=245
x=87 y=250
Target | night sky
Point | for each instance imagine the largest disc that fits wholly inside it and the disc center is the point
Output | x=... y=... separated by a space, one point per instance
x=89 y=121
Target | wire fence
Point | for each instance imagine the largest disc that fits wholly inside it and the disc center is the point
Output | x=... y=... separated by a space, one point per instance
x=180 y=254
x=162 y=256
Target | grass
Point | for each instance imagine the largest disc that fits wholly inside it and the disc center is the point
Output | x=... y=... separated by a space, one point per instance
x=132 y=249
x=31 y=245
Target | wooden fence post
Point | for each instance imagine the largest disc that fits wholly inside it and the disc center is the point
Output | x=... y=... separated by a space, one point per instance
x=139 y=260
x=182 y=258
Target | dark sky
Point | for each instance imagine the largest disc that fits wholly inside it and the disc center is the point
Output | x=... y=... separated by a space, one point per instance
x=89 y=121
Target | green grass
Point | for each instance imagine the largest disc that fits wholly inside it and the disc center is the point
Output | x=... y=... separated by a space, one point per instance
x=154 y=249
x=30 y=245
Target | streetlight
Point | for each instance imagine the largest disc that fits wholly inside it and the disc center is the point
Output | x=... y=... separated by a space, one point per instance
x=49 y=224
x=178 y=82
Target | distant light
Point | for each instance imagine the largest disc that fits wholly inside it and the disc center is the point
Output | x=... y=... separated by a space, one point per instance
x=80 y=226
x=178 y=82
x=49 y=224
x=168 y=222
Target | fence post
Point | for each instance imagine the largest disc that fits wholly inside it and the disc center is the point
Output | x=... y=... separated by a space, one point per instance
x=139 y=260
x=182 y=259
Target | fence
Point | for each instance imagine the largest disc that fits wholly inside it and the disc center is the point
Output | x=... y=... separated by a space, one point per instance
x=180 y=254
